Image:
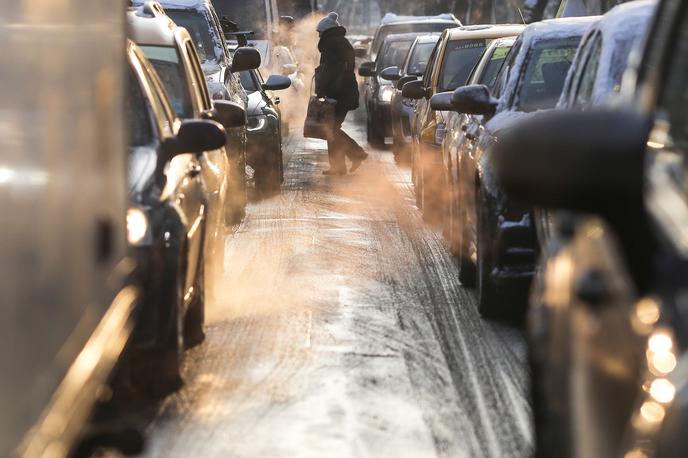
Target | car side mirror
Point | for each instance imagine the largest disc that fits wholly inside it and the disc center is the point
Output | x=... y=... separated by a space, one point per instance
x=288 y=69
x=584 y=161
x=414 y=90
x=367 y=69
x=474 y=99
x=442 y=101
x=196 y=136
x=229 y=114
x=276 y=83
x=360 y=51
x=391 y=73
x=405 y=79
x=245 y=58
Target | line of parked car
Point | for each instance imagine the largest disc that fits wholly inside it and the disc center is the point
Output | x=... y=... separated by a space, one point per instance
x=553 y=157
x=149 y=128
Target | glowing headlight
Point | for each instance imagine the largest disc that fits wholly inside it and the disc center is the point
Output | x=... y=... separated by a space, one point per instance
x=256 y=123
x=137 y=226
x=386 y=93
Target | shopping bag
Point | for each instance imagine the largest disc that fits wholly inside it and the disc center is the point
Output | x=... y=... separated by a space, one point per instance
x=319 y=118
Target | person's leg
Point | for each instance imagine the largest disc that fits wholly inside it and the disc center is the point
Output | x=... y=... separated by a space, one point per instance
x=336 y=147
x=353 y=150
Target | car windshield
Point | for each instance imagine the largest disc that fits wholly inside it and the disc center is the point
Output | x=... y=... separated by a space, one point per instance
x=393 y=29
x=198 y=27
x=394 y=54
x=140 y=131
x=247 y=14
x=543 y=79
x=165 y=60
x=459 y=59
x=489 y=76
x=419 y=58
x=248 y=82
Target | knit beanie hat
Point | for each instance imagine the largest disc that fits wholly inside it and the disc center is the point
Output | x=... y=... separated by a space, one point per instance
x=328 y=22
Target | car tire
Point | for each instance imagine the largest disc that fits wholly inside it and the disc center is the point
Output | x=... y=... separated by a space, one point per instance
x=451 y=222
x=376 y=138
x=194 y=332
x=488 y=294
x=431 y=195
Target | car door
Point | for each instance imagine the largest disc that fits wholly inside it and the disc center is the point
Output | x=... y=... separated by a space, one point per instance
x=184 y=186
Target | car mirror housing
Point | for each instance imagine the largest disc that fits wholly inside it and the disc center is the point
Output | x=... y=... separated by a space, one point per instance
x=405 y=79
x=442 y=101
x=276 y=83
x=584 y=161
x=474 y=99
x=229 y=114
x=414 y=90
x=245 y=58
x=391 y=73
x=196 y=136
x=367 y=69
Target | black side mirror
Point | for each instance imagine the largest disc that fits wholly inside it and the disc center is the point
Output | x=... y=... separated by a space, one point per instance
x=360 y=51
x=229 y=114
x=405 y=79
x=276 y=83
x=196 y=136
x=585 y=161
x=391 y=73
x=245 y=58
x=367 y=69
x=474 y=99
x=442 y=101
x=414 y=90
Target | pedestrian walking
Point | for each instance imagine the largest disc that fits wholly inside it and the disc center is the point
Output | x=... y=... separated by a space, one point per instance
x=335 y=79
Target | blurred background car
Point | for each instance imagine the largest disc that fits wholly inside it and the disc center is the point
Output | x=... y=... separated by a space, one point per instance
x=67 y=304
x=499 y=238
x=401 y=109
x=265 y=129
x=449 y=67
x=377 y=92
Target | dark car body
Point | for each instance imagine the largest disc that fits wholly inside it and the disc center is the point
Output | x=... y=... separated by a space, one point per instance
x=450 y=65
x=498 y=245
x=393 y=24
x=572 y=248
x=401 y=108
x=377 y=92
x=168 y=213
x=201 y=21
x=264 y=128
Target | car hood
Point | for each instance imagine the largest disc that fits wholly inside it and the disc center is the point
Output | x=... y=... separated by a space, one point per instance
x=256 y=102
x=141 y=169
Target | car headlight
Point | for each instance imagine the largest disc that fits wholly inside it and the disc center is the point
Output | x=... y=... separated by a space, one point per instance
x=256 y=123
x=386 y=93
x=137 y=226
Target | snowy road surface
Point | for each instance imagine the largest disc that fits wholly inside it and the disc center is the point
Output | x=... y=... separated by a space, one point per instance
x=342 y=330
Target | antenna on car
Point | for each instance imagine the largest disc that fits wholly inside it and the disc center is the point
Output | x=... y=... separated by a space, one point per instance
x=521 y=14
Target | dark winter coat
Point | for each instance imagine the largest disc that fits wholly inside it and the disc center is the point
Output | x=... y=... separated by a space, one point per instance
x=335 y=77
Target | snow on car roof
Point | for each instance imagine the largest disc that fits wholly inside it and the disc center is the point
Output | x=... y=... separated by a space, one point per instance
x=390 y=18
x=428 y=37
x=470 y=32
x=186 y=4
x=401 y=37
x=150 y=27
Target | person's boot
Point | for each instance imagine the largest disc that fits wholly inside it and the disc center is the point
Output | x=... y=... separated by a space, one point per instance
x=335 y=171
x=356 y=162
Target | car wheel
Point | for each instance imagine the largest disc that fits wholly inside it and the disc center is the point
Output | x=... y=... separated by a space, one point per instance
x=376 y=138
x=451 y=219
x=488 y=297
x=431 y=195
x=194 y=320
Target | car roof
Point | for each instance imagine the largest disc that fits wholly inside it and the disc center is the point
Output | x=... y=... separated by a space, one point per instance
x=624 y=18
x=148 y=24
x=469 y=32
x=392 y=18
x=428 y=37
x=400 y=37
x=564 y=27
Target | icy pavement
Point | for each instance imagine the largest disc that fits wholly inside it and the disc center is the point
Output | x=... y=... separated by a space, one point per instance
x=342 y=331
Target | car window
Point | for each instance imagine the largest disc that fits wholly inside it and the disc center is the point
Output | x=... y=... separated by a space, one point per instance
x=167 y=63
x=543 y=79
x=158 y=98
x=418 y=60
x=505 y=72
x=393 y=29
x=198 y=73
x=140 y=129
x=198 y=27
x=588 y=75
x=460 y=57
x=489 y=75
x=393 y=54
x=427 y=76
x=248 y=81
